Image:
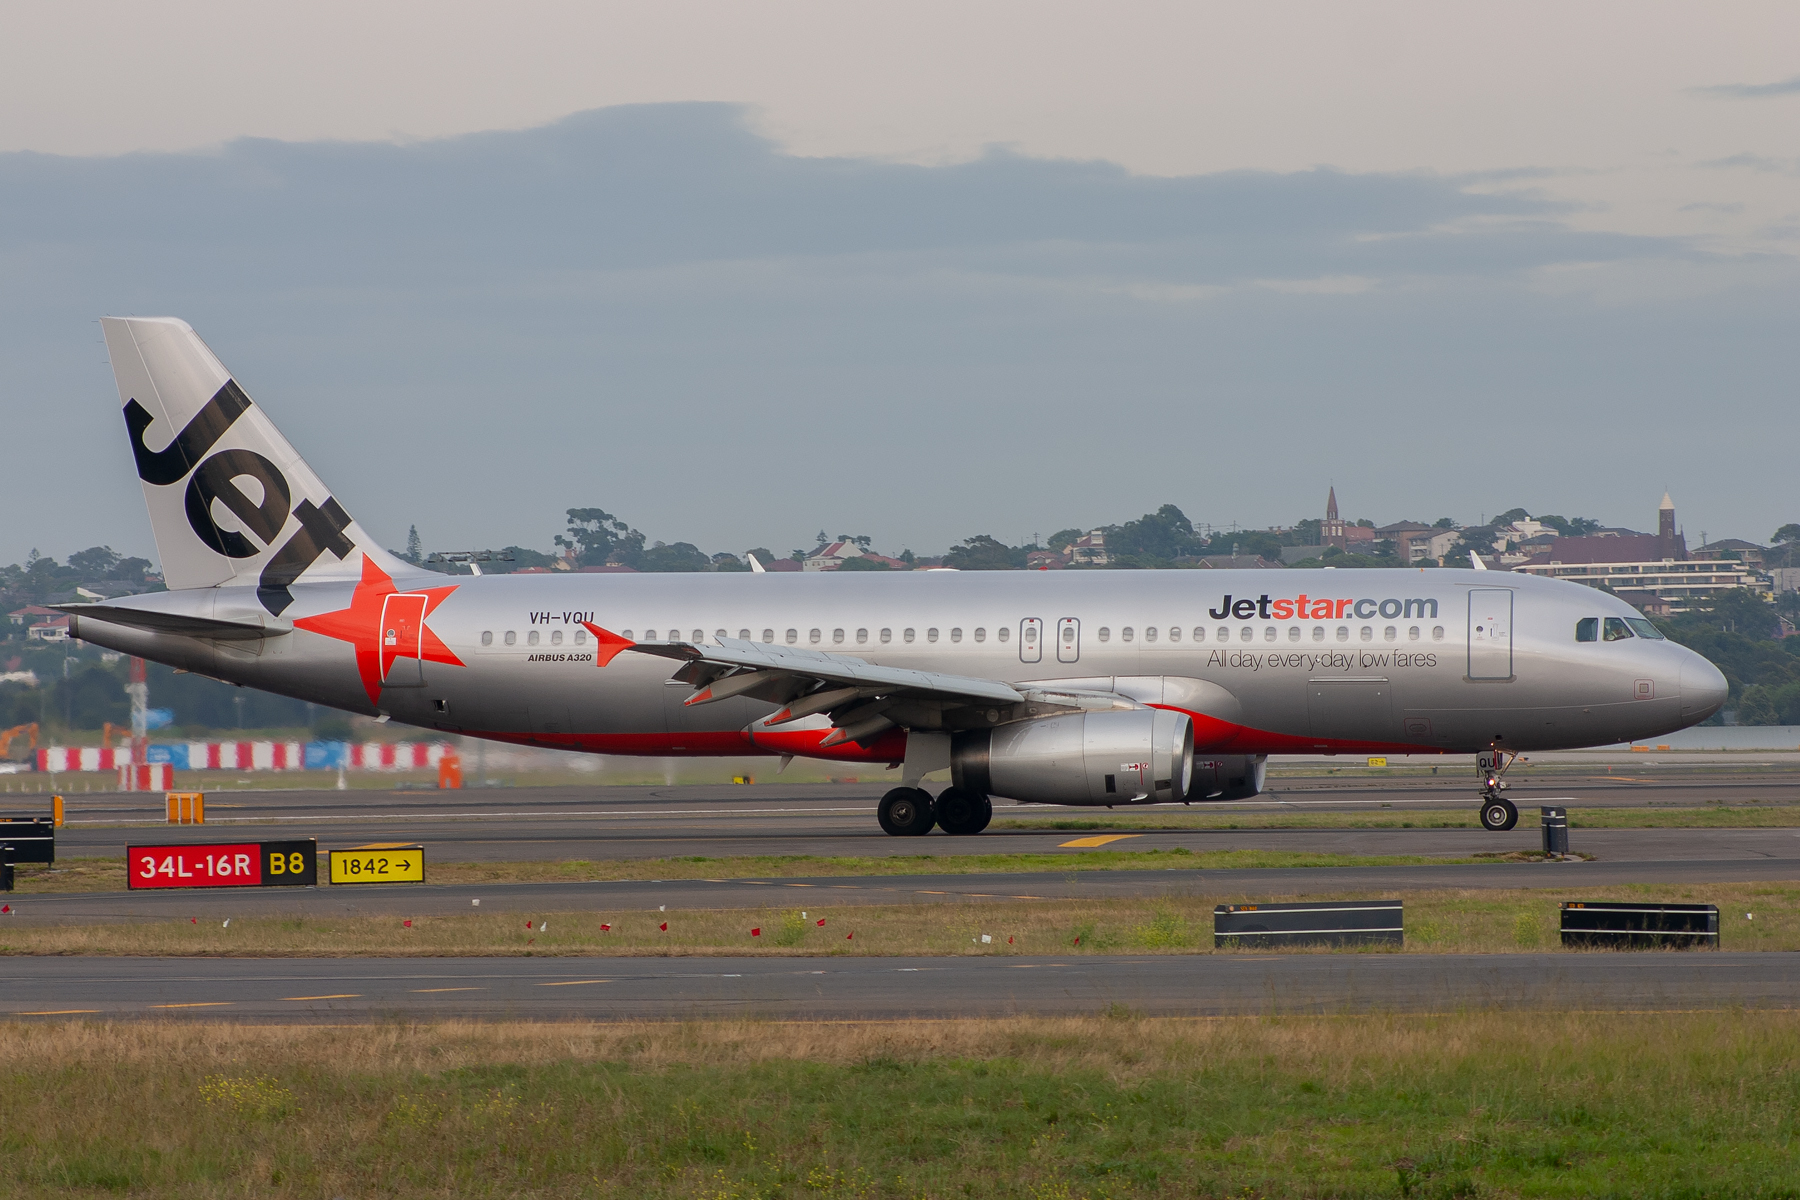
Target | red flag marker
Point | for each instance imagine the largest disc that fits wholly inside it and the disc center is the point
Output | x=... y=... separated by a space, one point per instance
x=1009 y=941
x=665 y=927
x=5 y=908
x=850 y=935
x=821 y=922
x=528 y=924
x=757 y=932
x=193 y=920
x=606 y=929
x=406 y=924
x=1078 y=941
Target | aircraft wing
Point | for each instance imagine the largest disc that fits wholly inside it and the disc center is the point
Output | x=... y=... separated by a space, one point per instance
x=861 y=698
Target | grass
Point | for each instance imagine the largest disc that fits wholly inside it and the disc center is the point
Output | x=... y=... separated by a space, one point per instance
x=108 y=874
x=1442 y=921
x=1116 y=1106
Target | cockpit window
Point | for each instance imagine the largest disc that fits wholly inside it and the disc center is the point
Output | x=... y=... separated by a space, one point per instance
x=1616 y=629
x=1645 y=629
x=1587 y=629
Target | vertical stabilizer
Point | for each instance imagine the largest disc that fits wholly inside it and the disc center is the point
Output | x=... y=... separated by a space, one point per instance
x=230 y=501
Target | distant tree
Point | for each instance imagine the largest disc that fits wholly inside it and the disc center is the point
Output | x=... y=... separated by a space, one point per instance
x=1787 y=534
x=762 y=554
x=1162 y=535
x=724 y=561
x=1443 y=523
x=1062 y=539
x=517 y=558
x=415 y=549
x=1511 y=515
x=1309 y=532
x=906 y=556
x=598 y=537
x=1364 y=523
x=94 y=564
x=861 y=540
x=681 y=556
x=984 y=553
x=860 y=563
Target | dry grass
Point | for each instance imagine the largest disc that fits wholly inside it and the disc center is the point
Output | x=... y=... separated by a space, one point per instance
x=1445 y=921
x=1567 y=1104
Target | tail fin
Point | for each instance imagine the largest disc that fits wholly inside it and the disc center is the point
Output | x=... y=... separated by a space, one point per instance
x=230 y=501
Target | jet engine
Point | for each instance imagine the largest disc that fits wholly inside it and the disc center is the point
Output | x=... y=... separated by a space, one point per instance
x=1229 y=776
x=1136 y=756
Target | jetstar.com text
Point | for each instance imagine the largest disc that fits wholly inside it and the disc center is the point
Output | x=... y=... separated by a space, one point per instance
x=1317 y=608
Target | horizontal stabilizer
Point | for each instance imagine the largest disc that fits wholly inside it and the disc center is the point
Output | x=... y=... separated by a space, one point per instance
x=170 y=622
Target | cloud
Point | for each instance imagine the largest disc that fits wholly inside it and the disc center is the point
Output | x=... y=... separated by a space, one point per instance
x=654 y=310
x=1752 y=91
x=1754 y=162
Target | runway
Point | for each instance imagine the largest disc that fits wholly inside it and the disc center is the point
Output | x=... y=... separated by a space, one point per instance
x=500 y=824
x=346 y=990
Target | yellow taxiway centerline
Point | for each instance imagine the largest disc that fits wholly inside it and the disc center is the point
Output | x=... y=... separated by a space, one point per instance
x=1088 y=843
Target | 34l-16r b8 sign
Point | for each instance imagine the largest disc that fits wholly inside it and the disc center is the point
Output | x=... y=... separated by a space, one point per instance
x=237 y=864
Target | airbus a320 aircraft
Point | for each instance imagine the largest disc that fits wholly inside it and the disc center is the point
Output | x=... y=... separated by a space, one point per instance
x=1066 y=687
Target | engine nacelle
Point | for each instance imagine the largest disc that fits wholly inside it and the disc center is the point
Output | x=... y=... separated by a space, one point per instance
x=1228 y=776
x=1136 y=756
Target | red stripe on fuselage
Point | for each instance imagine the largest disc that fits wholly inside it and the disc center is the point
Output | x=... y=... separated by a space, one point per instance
x=1213 y=736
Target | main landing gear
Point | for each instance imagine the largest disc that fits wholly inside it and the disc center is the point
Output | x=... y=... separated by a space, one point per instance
x=1498 y=814
x=911 y=812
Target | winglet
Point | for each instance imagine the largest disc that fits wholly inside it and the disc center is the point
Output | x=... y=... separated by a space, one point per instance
x=755 y=566
x=607 y=644
x=1475 y=561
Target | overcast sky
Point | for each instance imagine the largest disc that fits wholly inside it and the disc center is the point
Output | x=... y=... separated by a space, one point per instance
x=739 y=271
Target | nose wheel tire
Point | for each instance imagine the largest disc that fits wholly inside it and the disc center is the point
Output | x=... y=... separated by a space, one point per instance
x=906 y=812
x=1497 y=816
x=963 y=812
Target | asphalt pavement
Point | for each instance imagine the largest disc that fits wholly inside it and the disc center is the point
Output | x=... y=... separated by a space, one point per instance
x=340 y=990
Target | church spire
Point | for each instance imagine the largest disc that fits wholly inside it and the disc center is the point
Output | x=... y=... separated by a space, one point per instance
x=1331 y=513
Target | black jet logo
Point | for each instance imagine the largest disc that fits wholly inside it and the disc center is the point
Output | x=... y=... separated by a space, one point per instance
x=251 y=488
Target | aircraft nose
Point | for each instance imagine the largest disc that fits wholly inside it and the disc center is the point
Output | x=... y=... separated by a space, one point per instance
x=1703 y=688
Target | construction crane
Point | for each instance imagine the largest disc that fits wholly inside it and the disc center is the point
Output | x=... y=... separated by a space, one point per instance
x=6 y=738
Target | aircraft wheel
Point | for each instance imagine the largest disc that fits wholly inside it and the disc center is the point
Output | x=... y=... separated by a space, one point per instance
x=906 y=812
x=1497 y=816
x=963 y=812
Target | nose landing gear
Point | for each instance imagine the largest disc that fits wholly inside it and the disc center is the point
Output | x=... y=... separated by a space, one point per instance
x=1498 y=814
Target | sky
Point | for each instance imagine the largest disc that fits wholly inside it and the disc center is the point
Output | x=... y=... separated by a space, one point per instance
x=741 y=272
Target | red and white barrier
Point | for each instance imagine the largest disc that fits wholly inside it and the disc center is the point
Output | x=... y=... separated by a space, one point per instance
x=396 y=756
x=83 y=758
x=147 y=777
x=250 y=756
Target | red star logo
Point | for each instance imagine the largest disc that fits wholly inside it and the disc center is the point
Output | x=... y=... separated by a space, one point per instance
x=366 y=626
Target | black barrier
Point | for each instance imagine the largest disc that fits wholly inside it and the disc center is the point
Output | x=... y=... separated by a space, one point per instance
x=1555 y=820
x=1620 y=926
x=33 y=839
x=1350 y=923
x=6 y=871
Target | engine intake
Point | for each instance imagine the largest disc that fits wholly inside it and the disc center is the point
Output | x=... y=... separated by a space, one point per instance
x=1229 y=777
x=1139 y=756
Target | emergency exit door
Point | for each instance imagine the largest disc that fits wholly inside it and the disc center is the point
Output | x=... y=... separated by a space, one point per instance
x=1031 y=640
x=1490 y=633
x=1068 y=640
x=402 y=641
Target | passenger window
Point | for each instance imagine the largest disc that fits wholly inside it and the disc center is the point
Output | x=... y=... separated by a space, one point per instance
x=556 y=637
x=980 y=635
x=531 y=639
x=1343 y=633
x=813 y=637
x=862 y=635
x=1368 y=634
x=1005 y=634
x=887 y=635
x=649 y=636
x=1174 y=634
x=956 y=635
x=1068 y=635
x=1224 y=634
x=487 y=637
x=1616 y=630
x=1105 y=634
x=624 y=633
x=581 y=637
x=1437 y=633
x=1293 y=633
x=1268 y=633
x=1199 y=633
x=908 y=635
x=1245 y=634
x=699 y=636
x=768 y=635
x=512 y=637
x=1318 y=633
x=1412 y=635
x=837 y=637
x=931 y=635
x=720 y=634
x=1389 y=634
x=793 y=635
x=1125 y=634
x=1150 y=633
x=743 y=635
x=1645 y=629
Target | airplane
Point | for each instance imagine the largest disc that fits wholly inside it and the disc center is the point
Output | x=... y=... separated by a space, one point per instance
x=1085 y=688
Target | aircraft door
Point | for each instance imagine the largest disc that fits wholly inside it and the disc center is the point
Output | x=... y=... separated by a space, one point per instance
x=1068 y=640
x=402 y=641
x=1031 y=640
x=1490 y=633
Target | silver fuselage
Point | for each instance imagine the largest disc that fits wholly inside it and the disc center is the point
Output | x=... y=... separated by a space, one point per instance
x=1409 y=662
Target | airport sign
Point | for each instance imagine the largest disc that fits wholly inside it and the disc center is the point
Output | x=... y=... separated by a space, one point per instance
x=381 y=862
x=222 y=865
